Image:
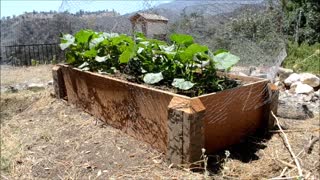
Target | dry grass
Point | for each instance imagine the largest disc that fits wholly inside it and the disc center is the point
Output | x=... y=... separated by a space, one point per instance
x=50 y=139
x=45 y=138
x=267 y=158
x=17 y=75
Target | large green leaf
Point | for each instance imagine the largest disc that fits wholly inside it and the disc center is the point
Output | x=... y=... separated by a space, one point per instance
x=225 y=60
x=66 y=41
x=193 y=49
x=126 y=55
x=182 y=39
x=220 y=51
x=90 y=53
x=152 y=78
x=84 y=36
x=167 y=49
x=121 y=39
x=182 y=84
x=70 y=56
x=139 y=36
x=95 y=42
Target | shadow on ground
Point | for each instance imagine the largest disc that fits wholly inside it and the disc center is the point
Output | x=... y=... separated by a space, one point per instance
x=245 y=152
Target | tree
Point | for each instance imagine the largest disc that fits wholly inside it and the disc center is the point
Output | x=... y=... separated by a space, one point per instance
x=302 y=22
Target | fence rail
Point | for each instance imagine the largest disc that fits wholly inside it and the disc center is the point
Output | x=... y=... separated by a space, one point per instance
x=27 y=55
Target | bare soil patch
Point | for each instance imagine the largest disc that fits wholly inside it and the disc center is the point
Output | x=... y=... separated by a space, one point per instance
x=19 y=75
x=45 y=138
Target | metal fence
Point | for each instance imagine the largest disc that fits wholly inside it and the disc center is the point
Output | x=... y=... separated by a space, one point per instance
x=31 y=54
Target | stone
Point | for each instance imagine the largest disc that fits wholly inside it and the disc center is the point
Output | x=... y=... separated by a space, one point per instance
x=307 y=98
x=310 y=79
x=11 y=89
x=317 y=93
x=35 y=86
x=289 y=107
x=314 y=98
x=50 y=83
x=303 y=89
x=291 y=79
x=284 y=73
x=314 y=107
x=293 y=87
x=280 y=85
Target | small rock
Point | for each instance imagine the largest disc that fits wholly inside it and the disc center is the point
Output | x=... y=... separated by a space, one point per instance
x=310 y=79
x=289 y=108
x=35 y=86
x=303 y=89
x=314 y=98
x=317 y=93
x=291 y=79
x=50 y=83
x=280 y=85
x=284 y=73
x=11 y=89
x=293 y=87
x=307 y=98
x=282 y=70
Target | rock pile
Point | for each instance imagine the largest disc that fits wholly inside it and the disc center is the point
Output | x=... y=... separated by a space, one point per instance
x=299 y=94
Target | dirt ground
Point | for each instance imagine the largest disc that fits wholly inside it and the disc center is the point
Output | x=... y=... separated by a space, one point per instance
x=46 y=138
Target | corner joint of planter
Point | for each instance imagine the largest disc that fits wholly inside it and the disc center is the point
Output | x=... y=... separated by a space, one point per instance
x=185 y=130
x=58 y=82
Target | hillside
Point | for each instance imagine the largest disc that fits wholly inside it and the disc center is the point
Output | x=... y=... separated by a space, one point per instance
x=217 y=24
x=204 y=7
x=44 y=27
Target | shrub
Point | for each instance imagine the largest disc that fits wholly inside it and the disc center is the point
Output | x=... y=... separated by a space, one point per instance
x=303 y=58
x=182 y=64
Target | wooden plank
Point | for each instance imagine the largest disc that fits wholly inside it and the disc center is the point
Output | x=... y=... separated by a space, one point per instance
x=186 y=136
x=233 y=114
x=176 y=125
x=138 y=111
x=58 y=82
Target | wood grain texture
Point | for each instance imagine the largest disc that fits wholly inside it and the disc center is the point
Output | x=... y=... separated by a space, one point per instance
x=139 y=112
x=176 y=125
x=235 y=113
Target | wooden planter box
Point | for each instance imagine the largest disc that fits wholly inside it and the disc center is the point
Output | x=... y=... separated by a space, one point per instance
x=176 y=125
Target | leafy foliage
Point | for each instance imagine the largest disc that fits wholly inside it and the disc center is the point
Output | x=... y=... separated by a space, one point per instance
x=182 y=84
x=303 y=58
x=302 y=22
x=181 y=64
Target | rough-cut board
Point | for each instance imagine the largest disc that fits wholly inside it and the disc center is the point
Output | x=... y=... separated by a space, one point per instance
x=176 y=125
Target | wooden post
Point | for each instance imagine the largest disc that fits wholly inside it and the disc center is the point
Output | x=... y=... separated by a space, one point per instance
x=273 y=107
x=185 y=130
x=58 y=82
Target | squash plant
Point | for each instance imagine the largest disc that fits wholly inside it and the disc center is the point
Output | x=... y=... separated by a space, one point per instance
x=189 y=67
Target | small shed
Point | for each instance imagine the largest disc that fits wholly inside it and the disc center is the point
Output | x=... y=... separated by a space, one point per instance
x=151 y=25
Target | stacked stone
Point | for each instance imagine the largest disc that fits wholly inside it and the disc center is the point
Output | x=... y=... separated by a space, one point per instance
x=299 y=94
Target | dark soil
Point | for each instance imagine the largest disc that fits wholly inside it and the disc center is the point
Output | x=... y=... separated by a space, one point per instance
x=226 y=83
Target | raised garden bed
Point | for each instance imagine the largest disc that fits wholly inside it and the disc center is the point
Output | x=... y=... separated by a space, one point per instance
x=177 y=125
x=179 y=99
